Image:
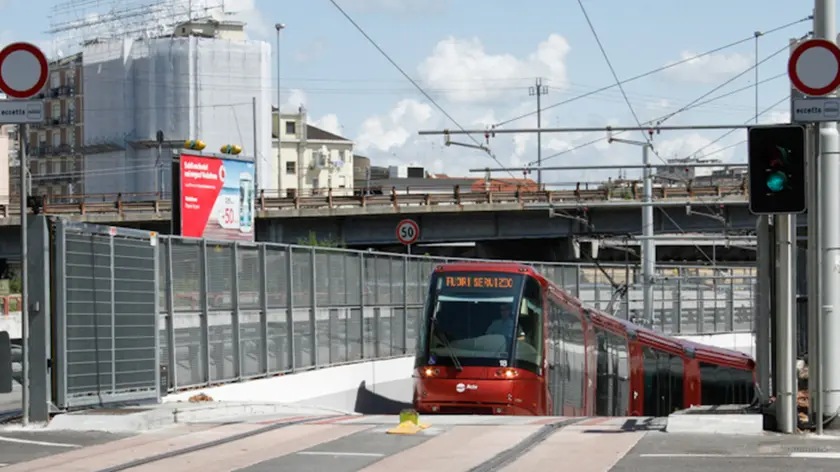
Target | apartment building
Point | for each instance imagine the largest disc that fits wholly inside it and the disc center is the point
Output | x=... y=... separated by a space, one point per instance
x=311 y=159
x=55 y=151
x=8 y=159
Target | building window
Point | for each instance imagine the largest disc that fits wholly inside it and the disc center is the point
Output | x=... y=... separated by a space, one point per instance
x=55 y=80
x=56 y=139
x=290 y=127
x=315 y=183
x=342 y=181
x=42 y=138
x=70 y=78
x=290 y=167
x=71 y=111
x=71 y=136
x=56 y=111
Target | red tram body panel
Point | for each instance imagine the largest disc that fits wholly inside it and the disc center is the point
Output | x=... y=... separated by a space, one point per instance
x=499 y=338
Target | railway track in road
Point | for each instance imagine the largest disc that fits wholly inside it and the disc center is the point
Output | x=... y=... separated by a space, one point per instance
x=218 y=442
x=509 y=456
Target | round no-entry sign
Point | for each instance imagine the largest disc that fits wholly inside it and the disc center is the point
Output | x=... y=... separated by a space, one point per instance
x=23 y=70
x=814 y=67
x=407 y=232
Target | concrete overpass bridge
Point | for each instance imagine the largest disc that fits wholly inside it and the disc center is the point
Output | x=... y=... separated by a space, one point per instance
x=492 y=219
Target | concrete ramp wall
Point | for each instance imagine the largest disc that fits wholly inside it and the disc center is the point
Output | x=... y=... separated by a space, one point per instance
x=377 y=387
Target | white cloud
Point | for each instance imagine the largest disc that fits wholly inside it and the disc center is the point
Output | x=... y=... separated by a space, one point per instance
x=712 y=68
x=459 y=66
x=395 y=129
x=329 y=123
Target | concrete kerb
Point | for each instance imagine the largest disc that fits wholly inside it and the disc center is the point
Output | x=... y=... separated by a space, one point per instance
x=723 y=419
x=138 y=420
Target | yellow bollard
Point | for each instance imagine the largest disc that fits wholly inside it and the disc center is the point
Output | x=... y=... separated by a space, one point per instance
x=409 y=423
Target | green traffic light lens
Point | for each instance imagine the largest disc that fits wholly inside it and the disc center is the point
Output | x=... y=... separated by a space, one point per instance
x=776 y=181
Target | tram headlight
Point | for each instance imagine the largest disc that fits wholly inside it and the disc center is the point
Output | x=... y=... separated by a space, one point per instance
x=507 y=373
x=431 y=372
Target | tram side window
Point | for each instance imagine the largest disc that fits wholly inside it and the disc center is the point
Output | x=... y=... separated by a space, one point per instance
x=529 y=345
x=574 y=357
x=622 y=375
x=677 y=371
x=604 y=385
x=725 y=385
x=557 y=370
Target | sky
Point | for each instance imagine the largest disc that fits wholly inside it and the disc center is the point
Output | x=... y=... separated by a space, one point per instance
x=477 y=59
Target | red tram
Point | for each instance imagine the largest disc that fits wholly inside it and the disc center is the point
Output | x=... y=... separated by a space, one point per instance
x=498 y=338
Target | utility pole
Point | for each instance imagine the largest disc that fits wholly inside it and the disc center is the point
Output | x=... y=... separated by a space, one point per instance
x=24 y=273
x=648 y=243
x=829 y=240
x=538 y=90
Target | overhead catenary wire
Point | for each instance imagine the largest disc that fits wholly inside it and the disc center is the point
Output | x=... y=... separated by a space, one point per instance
x=724 y=135
x=751 y=37
x=413 y=82
x=645 y=136
x=654 y=120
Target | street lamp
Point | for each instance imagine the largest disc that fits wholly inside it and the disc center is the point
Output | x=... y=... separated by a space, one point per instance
x=279 y=27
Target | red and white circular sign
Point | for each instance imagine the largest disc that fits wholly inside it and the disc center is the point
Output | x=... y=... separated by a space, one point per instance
x=24 y=70
x=814 y=67
x=407 y=232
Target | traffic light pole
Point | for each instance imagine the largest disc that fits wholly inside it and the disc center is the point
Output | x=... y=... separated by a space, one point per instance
x=785 y=353
x=829 y=240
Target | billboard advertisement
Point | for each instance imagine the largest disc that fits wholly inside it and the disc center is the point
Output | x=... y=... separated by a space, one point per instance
x=217 y=197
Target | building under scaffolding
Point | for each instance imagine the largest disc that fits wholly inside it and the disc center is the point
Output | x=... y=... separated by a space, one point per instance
x=175 y=67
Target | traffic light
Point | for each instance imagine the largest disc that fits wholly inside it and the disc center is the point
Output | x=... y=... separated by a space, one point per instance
x=776 y=165
x=196 y=144
x=231 y=149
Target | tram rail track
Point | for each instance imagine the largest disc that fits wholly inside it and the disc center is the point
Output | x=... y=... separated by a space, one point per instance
x=215 y=443
x=510 y=455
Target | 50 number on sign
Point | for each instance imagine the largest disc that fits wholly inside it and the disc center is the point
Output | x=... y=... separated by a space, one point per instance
x=407 y=232
x=228 y=218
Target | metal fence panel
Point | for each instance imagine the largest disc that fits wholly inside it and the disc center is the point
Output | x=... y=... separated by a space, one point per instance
x=107 y=316
x=237 y=310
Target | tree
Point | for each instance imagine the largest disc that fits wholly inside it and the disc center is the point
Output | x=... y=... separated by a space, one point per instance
x=312 y=240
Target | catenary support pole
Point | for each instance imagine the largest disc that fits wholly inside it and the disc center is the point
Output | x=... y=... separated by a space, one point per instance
x=24 y=275
x=785 y=355
x=829 y=237
x=813 y=275
x=539 y=90
x=648 y=244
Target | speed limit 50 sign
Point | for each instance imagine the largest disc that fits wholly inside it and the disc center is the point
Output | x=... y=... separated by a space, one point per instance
x=407 y=232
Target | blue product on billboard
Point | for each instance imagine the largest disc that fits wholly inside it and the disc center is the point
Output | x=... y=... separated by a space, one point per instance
x=246 y=202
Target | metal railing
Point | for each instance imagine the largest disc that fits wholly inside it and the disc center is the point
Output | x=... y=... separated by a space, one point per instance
x=233 y=311
x=153 y=206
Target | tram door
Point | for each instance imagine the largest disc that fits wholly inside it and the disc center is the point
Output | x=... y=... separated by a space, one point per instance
x=663 y=382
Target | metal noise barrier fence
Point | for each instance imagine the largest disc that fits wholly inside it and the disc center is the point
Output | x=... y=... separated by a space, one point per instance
x=137 y=315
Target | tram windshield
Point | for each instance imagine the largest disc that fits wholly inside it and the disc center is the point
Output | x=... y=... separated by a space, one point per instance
x=473 y=318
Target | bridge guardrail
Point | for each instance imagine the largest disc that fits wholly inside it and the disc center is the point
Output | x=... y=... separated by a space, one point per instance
x=123 y=204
